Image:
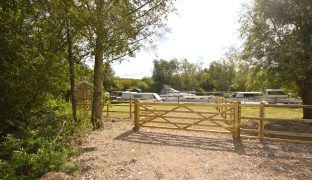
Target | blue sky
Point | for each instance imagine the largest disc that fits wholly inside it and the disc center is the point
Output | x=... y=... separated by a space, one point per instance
x=202 y=32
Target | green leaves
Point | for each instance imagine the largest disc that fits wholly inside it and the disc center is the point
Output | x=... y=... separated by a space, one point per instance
x=279 y=37
x=279 y=40
x=32 y=157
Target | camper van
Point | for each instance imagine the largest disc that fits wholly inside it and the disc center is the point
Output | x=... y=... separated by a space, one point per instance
x=141 y=96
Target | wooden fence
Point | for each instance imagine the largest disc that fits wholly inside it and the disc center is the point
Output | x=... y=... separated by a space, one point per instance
x=277 y=135
x=122 y=106
x=226 y=117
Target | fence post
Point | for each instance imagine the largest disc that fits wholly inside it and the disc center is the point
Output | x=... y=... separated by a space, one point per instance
x=130 y=104
x=225 y=108
x=218 y=102
x=222 y=108
x=261 y=123
x=136 y=115
x=107 y=109
x=236 y=127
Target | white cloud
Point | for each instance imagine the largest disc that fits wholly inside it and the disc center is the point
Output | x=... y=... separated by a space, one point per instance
x=202 y=32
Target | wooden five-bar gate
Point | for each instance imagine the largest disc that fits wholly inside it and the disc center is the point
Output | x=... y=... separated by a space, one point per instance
x=200 y=117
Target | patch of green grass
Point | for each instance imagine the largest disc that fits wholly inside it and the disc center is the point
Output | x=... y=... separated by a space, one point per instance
x=273 y=112
x=122 y=110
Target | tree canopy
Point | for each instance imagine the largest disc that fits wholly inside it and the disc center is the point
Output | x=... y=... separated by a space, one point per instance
x=279 y=41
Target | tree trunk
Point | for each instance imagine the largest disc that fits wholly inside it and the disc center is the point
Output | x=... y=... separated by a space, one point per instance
x=306 y=95
x=71 y=70
x=96 y=116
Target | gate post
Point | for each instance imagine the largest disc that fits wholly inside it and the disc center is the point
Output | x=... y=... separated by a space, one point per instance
x=107 y=110
x=136 y=115
x=261 y=123
x=236 y=124
x=130 y=104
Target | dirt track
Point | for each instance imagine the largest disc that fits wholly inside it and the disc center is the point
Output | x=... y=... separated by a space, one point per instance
x=119 y=153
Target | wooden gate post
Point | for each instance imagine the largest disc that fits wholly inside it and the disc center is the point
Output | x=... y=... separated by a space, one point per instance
x=136 y=115
x=221 y=107
x=236 y=124
x=107 y=109
x=261 y=123
x=130 y=104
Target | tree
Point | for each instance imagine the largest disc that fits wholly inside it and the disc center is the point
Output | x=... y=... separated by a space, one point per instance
x=188 y=75
x=278 y=39
x=61 y=9
x=31 y=61
x=221 y=75
x=163 y=72
x=148 y=84
x=116 y=29
x=108 y=81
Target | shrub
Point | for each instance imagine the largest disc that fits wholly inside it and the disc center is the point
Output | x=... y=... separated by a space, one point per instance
x=31 y=157
x=44 y=144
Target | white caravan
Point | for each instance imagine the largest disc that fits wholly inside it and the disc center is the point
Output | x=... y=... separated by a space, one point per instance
x=273 y=96
x=246 y=97
x=141 y=96
x=194 y=98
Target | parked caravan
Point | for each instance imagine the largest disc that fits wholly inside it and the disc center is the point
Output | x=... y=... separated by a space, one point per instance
x=275 y=93
x=168 y=94
x=273 y=96
x=194 y=98
x=141 y=96
x=246 y=96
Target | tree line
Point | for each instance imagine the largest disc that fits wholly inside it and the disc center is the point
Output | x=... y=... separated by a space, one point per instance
x=228 y=74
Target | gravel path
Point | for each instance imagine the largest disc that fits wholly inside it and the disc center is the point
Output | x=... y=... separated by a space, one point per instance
x=119 y=153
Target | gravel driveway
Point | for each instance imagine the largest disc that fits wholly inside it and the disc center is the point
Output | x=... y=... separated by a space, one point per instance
x=119 y=153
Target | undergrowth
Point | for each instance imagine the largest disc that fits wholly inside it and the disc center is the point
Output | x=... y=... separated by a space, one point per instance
x=44 y=145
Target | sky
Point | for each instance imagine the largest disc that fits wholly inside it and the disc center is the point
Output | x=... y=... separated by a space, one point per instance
x=202 y=31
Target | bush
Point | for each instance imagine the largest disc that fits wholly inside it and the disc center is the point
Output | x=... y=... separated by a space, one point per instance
x=32 y=157
x=43 y=145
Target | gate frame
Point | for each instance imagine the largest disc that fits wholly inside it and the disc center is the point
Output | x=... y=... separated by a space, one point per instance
x=236 y=117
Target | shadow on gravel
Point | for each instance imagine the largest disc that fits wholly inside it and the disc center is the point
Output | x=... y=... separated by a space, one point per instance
x=249 y=147
x=295 y=159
